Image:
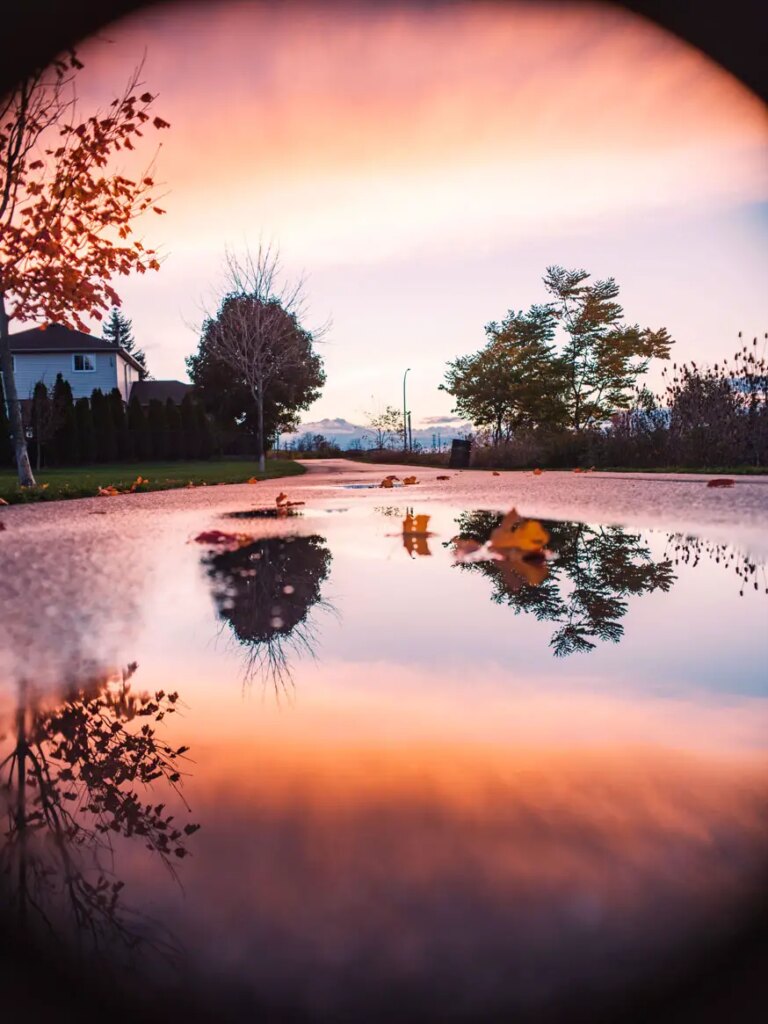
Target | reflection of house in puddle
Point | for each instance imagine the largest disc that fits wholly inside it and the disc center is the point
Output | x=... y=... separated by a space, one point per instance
x=76 y=771
x=265 y=591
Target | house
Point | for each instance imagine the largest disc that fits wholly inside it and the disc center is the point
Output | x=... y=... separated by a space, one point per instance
x=84 y=360
x=159 y=390
x=87 y=362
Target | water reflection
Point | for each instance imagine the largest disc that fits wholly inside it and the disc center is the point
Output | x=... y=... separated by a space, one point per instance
x=74 y=778
x=265 y=591
x=584 y=590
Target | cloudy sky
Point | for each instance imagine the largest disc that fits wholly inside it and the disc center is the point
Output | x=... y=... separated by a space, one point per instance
x=423 y=164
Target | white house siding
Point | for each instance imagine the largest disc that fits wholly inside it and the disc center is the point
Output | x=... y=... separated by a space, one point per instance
x=127 y=375
x=34 y=366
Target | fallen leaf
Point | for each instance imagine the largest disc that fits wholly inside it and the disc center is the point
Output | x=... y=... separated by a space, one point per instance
x=408 y=480
x=108 y=492
x=537 y=472
x=44 y=487
x=392 y=477
x=722 y=481
x=218 y=538
x=98 y=512
x=2 y=527
x=252 y=480
x=3 y=501
x=495 y=473
x=442 y=478
x=578 y=470
x=386 y=482
x=190 y=484
x=519 y=534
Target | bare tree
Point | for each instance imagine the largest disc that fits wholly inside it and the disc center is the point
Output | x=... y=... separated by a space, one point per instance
x=257 y=331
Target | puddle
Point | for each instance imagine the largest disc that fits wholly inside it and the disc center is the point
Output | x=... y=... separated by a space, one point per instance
x=344 y=774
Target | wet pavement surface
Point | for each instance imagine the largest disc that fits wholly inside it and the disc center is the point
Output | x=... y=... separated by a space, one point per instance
x=322 y=769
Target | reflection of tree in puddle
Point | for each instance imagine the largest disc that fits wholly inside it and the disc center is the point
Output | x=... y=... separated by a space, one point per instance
x=265 y=591
x=585 y=590
x=73 y=778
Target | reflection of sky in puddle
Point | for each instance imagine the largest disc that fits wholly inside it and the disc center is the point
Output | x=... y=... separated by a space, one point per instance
x=436 y=806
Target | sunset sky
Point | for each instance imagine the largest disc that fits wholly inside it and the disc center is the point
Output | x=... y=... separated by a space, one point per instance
x=423 y=165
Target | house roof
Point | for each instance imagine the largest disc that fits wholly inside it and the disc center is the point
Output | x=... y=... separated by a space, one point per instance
x=161 y=390
x=57 y=338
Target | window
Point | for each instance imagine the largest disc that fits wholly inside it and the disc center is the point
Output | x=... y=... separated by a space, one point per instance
x=83 y=363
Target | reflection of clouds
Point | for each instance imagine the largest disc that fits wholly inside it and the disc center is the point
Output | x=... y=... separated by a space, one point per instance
x=71 y=593
x=351 y=879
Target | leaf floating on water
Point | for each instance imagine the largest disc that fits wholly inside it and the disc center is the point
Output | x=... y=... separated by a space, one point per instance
x=518 y=534
x=721 y=481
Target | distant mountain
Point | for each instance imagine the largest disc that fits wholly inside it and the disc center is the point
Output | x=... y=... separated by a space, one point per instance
x=343 y=433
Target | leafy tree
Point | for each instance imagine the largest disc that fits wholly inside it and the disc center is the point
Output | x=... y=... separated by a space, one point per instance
x=42 y=420
x=173 y=430
x=255 y=344
x=65 y=440
x=86 y=440
x=386 y=427
x=158 y=428
x=138 y=428
x=515 y=381
x=65 y=216
x=119 y=424
x=103 y=427
x=603 y=358
x=118 y=330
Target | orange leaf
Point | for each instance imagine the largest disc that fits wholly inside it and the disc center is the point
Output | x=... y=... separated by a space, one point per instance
x=537 y=472
x=252 y=480
x=386 y=482
x=108 y=492
x=408 y=480
x=518 y=534
x=416 y=525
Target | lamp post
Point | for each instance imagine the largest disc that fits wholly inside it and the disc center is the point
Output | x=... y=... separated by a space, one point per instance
x=405 y=414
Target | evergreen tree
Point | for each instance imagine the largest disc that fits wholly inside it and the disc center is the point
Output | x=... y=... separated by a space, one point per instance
x=158 y=428
x=204 y=432
x=173 y=430
x=120 y=424
x=64 y=444
x=118 y=330
x=138 y=428
x=103 y=427
x=190 y=434
x=42 y=421
x=85 y=435
x=6 y=446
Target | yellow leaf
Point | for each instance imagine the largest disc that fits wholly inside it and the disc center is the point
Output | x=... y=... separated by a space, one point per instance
x=518 y=534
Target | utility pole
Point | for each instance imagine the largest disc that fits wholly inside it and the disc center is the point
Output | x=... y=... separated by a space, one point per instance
x=405 y=413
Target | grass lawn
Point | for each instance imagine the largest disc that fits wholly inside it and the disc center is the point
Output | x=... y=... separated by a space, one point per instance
x=84 y=481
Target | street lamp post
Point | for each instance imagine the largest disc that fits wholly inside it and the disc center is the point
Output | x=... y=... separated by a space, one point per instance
x=405 y=414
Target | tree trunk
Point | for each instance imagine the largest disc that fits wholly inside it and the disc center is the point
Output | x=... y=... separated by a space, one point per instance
x=262 y=459
x=26 y=477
